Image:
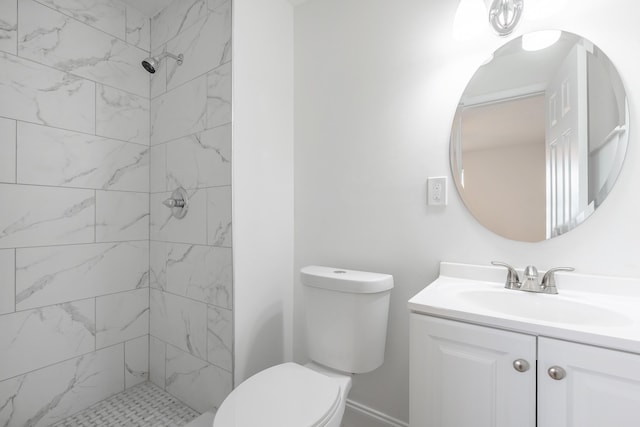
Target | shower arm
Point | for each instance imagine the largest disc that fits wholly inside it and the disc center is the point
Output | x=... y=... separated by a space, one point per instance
x=178 y=58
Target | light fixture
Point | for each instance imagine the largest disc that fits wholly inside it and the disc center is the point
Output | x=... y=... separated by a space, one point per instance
x=540 y=40
x=504 y=15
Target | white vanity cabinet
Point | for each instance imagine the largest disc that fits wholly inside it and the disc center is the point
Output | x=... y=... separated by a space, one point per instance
x=464 y=375
x=601 y=387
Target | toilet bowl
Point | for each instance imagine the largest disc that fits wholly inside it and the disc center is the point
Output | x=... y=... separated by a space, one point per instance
x=346 y=314
x=287 y=395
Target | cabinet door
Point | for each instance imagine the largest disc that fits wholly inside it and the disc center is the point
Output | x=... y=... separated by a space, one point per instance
x=462 y=375
x=601 y=387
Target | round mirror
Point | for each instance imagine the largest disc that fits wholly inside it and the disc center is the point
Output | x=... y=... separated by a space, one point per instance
x=539 y=136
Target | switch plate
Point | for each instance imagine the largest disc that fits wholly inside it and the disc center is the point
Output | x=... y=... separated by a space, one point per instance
x=437 y=191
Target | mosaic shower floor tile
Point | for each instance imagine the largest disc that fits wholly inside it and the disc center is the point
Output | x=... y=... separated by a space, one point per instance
x=145 y=405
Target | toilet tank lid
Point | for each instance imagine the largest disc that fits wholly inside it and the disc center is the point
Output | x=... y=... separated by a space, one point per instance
x=342 y=280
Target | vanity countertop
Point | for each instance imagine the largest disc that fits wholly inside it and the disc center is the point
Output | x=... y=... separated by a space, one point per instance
x=597 y=310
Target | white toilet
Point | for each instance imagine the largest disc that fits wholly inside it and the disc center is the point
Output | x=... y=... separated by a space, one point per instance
x=346 y=315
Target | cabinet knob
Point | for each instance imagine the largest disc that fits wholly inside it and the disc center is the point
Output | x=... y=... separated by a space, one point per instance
x=521 y=365
x=557 y=373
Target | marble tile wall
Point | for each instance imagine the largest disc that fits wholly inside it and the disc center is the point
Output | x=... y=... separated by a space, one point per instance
x=193 y=380
x=74 y=190
x=62 y=42
x=7 y=281
x=136 y=361
x=7 y=150
x=191 y=279
x=9 y=26
x=62 y=389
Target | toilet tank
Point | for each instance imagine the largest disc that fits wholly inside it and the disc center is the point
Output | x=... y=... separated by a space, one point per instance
x=346 y=315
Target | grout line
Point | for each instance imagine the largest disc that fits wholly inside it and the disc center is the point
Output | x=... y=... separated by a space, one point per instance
x=71 y=301
x=79 y=188
x=91 y=26
x=206 y=335
x=95 y=216
x=190 y=244
x=164 y=380
x=95 y=323
x=15 y=279
x=15 y=154
x=207 y=193
x=166 y=167
x=95 y=109
x=18 y=121
x=149 y=337
x=85 y=189
x=57 y=70
x=149 y=238
x=126 y=16
x=17 y=3
x=191 y=299
x=68 y=245
x=124 y=366
x=62 y=361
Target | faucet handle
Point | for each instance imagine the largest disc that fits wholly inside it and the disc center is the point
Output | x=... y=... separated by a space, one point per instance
x=513 y=280
x=548 y=283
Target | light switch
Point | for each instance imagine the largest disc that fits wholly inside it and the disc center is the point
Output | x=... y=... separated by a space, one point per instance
x=437 y=191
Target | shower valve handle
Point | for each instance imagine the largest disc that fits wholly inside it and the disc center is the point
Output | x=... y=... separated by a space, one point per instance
x=178 y=203
x=174 y=203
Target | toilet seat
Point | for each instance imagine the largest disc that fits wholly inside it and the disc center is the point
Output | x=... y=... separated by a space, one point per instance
x=286 y=395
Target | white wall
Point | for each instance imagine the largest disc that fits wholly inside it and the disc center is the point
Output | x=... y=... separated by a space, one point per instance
x=262 y=183
x=377 y=85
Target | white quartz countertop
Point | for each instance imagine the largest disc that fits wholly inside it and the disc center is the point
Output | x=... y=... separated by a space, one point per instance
x=597 y=310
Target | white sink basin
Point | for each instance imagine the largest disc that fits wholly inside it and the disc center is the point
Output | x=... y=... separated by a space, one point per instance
x=596 y=310
x=549 y=308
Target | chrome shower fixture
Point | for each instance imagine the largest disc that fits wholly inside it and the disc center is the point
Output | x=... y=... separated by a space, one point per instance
x=151 y=64
x=504 y=15
x=178 y=203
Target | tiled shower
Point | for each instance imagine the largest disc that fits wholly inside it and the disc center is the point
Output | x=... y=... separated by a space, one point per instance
x=100 y=288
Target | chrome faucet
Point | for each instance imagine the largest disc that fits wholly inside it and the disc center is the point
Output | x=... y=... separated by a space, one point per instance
x=531 y=284
x=513 y=280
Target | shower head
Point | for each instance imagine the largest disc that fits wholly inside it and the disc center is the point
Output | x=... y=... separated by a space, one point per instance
x=152 y=63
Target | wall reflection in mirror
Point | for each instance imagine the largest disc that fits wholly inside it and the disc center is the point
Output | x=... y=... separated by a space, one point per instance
x=539 y=136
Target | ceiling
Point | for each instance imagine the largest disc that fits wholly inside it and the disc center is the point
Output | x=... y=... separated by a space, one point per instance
x=151 y=7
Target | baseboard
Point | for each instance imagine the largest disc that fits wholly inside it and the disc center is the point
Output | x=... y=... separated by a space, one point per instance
x=359 y=415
